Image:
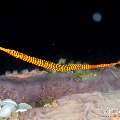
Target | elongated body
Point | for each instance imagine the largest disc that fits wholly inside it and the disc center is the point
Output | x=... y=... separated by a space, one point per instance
x=51 y=65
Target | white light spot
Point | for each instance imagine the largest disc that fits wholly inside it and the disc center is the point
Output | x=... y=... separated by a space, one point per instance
x=97 y=17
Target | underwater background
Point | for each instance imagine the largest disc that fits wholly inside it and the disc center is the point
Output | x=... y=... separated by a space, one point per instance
x=79 y=31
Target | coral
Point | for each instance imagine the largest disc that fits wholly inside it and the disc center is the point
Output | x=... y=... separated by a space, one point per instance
x=7 y=106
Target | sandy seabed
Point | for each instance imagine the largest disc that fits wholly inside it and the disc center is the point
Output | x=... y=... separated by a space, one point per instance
x=86 y=106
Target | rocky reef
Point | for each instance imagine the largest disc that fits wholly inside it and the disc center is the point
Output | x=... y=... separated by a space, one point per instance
x=34 y=86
